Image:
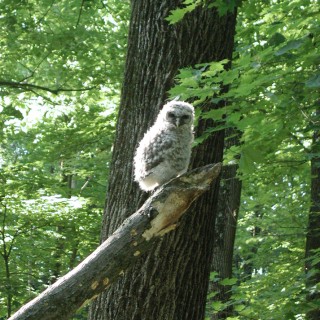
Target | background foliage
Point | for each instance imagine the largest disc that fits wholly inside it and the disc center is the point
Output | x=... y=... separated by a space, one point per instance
x=272 y=102
x=60 y=78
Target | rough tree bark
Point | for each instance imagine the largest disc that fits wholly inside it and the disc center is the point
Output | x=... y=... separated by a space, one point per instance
x=158 y=216
x=313 y=230
x=171 y=282
x=225 y=228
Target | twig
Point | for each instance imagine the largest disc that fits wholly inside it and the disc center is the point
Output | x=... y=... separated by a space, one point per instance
x=30 y=86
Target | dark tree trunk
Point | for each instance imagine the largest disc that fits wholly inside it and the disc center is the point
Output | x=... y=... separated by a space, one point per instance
x=313 y=231
x=171 y=282
x=5 y=253
x=225 y=231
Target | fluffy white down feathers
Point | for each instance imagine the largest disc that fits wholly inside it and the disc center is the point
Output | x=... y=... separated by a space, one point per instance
x=165 y=150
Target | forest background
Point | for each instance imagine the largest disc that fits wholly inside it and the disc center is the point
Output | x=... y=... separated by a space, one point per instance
x=60 y=79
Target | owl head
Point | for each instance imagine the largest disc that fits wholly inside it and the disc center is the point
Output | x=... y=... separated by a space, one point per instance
x=178 y=114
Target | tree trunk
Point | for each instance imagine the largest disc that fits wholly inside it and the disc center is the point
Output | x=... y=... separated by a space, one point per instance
x=313 y=232
x=225 y=231
x=171 y=282
x=5 y=253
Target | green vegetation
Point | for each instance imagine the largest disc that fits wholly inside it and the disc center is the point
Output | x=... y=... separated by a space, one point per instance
x=60 y=75
x=60 y=78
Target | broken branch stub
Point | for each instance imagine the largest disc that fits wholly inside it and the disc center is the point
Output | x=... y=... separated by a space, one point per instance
x=159 y=215
x=173 y=199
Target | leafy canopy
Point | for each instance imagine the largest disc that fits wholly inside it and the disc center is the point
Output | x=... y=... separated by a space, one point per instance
x=60 y=77
x=272 y=98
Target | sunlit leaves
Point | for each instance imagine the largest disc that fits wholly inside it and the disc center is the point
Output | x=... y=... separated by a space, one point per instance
x=267 y=82
x=62 y=45
x=53 y=182
x=60 y=76
x=270 y=95
x=177 y=15
x=228 y=281
x=223 y=7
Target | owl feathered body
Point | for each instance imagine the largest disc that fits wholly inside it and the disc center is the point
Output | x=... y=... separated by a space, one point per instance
x=165 y=150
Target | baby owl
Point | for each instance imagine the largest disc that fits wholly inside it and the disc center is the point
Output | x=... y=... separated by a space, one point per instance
x=164 y=152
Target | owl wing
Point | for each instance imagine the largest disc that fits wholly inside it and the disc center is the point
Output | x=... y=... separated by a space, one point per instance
x=156 y=152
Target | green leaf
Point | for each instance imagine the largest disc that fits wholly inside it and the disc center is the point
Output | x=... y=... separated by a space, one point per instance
x=177 y=15
x=228 y=281
x=313 y=82
x=215 y=67
x=222 y=6
x=291 y=45
x=12 y=112
x=217 y=305
x=215 y=114
x=213 y=276
x=277 y=39
x=239 y=307
x=230 y=76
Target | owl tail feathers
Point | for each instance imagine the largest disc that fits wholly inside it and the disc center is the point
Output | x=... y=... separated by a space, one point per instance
x=148 y=183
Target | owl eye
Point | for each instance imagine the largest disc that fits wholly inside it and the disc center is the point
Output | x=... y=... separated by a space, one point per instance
x=185 y=117
x=171 y=115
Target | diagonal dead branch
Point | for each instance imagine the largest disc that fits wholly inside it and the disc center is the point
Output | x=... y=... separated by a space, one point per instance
x=158 y=216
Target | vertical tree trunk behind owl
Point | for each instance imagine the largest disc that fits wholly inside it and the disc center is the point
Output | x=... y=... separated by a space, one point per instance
x=171 y=282
x=225 y=229
x=313 y=230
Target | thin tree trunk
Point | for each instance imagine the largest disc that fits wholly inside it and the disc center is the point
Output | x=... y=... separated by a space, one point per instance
x=171 y=282
x=225 y=231
x=313 y=231
x=5 y=253
x=59 y=252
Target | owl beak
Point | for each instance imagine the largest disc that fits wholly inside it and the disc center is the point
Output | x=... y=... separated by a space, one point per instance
x=177 y=122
